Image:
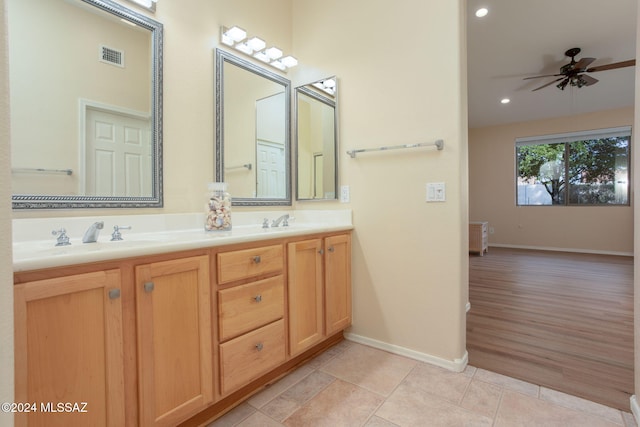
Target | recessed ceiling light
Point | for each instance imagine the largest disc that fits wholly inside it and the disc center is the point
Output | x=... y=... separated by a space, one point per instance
x=505 y=100
x=482 y=12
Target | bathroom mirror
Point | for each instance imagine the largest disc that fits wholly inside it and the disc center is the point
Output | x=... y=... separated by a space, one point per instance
x=252 y=132
x=86 y=105
x=317 y=140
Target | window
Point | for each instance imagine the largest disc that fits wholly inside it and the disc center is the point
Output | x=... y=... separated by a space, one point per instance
x=581 y=168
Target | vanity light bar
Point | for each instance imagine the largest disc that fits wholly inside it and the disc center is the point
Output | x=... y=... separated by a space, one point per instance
x=255 y=47
x=147 y=4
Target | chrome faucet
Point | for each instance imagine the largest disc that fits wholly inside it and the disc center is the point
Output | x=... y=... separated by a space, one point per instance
x=63 y=239
x=284 y=219
x=91 y=235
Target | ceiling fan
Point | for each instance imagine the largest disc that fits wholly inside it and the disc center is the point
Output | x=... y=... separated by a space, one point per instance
x=572 y=74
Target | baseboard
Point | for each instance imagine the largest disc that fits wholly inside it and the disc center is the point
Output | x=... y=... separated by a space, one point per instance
x=635 y=408
x=549 y=248
x=456 y=365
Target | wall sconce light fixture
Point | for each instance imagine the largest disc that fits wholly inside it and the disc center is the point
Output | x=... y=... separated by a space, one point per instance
x=328 y=86
x=147 y=4
x=255 y=47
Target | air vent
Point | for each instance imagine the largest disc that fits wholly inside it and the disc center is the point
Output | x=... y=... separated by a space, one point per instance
x=111 y=56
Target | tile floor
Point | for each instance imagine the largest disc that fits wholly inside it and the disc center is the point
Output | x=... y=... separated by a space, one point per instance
x=355 y=385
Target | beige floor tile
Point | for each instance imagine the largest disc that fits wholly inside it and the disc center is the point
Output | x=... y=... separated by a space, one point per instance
x=573 y=402
x=294 y=397
x=279 y=408
x=379 y=422
x=373 y=369
x=234 y=416
x=340 y=404
x=259 y=419
x=517 y=409
x=410 y=406
x=469 y=370
x=629 y=421
x=271 y=392
x=438 y=381
x=507 y=382
x=482 y=398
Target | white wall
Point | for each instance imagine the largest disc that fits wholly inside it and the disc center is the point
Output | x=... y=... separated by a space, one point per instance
x=492 y=192
x=6 y=270
x=409 y=256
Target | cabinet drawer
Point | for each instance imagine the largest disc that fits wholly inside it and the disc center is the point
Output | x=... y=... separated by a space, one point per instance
x=247 y=263
x=245 y=358
x=246 y=307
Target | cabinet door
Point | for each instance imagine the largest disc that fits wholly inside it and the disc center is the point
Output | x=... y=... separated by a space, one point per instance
x=175 y=378
x=337 y=283
x=68 y=347
x=305 y=294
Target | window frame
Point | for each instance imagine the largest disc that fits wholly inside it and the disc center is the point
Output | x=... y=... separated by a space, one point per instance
x=567 y=139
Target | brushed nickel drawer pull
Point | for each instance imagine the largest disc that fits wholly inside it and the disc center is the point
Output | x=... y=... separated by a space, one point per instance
x=331 y=249
x=148 y=287
x=259 y=346
x=256 y=259
x=258 y=298
x=321 y=251
x=114 y=293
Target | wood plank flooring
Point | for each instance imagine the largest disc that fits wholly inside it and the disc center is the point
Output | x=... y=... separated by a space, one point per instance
x=557 y=319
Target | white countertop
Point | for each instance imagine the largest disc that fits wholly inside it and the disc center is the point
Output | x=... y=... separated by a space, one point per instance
x=34 y=245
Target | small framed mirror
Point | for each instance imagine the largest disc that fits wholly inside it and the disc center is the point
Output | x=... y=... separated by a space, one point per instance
x=252 y=132
x=86 y=105
x=317 y=140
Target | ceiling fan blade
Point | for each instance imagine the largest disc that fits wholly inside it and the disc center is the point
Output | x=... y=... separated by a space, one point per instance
x=629 y=63
x=548 y=75
x=583 y=63
x=588 y=80
x=548 y=84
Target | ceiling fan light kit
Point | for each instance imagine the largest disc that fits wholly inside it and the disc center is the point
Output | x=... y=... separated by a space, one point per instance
x=572 y=74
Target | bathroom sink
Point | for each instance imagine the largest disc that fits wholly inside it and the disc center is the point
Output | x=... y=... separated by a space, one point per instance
x=34 y=247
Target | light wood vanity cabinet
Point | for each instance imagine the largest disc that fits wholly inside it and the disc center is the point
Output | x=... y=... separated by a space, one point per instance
x=173 y=315
x=319 y=290
x=251 y=329
x=337 y=286
x=68 y=346
x=167 y=339
x=305 y=294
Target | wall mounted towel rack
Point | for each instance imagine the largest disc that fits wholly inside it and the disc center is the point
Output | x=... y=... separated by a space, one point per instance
x=246 y=165
x=438 y=143
x=42 y=170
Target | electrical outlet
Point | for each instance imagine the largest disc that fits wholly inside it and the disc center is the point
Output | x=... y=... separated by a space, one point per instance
x=345 y=195
x=491 y=230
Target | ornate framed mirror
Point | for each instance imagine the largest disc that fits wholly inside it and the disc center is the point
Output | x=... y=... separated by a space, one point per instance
x=86 y=105
x=317 y=140
x=252 y=132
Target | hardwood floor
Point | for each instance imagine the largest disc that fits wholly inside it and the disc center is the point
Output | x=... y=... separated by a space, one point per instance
x=557 y=319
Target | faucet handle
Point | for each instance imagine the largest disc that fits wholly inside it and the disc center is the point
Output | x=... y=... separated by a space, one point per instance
x=116 y=235
x=63 y=239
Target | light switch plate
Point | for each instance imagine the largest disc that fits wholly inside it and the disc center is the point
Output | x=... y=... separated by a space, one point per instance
x=345 y=195
x=436 y=192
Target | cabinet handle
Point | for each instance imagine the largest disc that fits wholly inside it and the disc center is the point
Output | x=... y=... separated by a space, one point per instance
x=259 y=346
x=148 y=287
x=331 y=249
x=258 y=298
x=256 y=259
x=321 y=251
x=114 y=293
